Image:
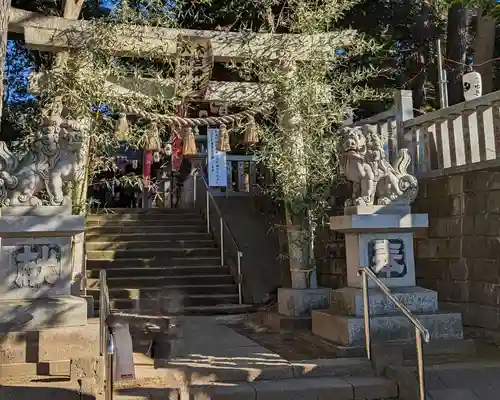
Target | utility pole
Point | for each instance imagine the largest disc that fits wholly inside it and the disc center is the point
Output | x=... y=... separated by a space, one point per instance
x=4 y=30
x=443 y=90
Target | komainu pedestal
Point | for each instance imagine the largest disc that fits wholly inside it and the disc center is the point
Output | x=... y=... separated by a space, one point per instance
x=379 y=227
x=39 y=318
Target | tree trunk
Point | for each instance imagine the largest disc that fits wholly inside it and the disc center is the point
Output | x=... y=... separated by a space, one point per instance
x=484 y=48
x=422 y=35
x=456 y=51
x=4 y=29
x=298 y=247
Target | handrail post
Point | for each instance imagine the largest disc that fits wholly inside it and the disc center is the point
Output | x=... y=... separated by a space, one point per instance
x=195 y=184
x=109 y=369
x=420 y=363
x=221 y=221
x=102 y=313
x=240 y=292
x=366 y=307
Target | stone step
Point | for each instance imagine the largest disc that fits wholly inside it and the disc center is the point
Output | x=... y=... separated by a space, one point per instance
x=194 y=310
x=98 y=236
x=147 y=211
x=151 y=243
x=144 y=217
x=103 y=224
x=148 y=262
x=349 y=331
x=367 y=388
x=154 y=253
x=43 y=390
x=156 y=293
x=171 y=290
x=348 y=388
x=255 y=364
x=200 y=270
x=162 y=281
x=473 y=380
x=165 y=302
x=143 y=228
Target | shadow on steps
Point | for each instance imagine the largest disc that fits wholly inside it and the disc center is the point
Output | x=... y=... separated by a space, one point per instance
x=263 y=271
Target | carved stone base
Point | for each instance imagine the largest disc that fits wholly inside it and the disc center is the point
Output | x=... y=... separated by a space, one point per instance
x=349 y=301
x=350 y=331
x=34 y=314
x=300 y=302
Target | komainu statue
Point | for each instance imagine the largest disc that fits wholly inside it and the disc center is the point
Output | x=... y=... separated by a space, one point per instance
x=53 y=161
x=375 y=181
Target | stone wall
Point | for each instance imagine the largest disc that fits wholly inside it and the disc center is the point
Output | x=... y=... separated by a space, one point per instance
x=330 y=258
x=459 y=254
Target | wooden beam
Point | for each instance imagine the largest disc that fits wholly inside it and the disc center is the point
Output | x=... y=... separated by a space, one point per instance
x=59 y=34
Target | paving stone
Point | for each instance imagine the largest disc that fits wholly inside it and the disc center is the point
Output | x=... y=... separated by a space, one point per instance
x=372 y=388
x=464 y=378
x=41 y=391
x=331 y=367
x=452 y=394
x=223 y=391
x=304 y=389
x=487 y=393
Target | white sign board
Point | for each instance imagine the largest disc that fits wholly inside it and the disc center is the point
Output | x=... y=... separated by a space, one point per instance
x=123 y=368
x=217 y=163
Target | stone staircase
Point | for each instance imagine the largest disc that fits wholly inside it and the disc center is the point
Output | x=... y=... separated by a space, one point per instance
x=159 y=261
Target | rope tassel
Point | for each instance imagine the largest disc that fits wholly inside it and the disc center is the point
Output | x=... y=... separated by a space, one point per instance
x=188 y=142
x=121 y=127
x=152 y=139
x=223 y=141
x=251 y=137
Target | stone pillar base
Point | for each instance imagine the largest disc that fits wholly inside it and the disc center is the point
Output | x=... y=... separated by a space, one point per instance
x=51 y=344
x=42 y=313
x=350 y=331
x=349 y=301
x=343 y=323
x=300 y=302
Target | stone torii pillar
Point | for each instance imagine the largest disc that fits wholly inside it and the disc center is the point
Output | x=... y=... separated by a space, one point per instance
x=300 y=299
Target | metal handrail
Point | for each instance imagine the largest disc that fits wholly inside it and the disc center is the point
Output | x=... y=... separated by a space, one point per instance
x=420 y=330
x=223 y=226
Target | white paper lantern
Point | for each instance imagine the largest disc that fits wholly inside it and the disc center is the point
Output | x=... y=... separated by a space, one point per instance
x=473 y=85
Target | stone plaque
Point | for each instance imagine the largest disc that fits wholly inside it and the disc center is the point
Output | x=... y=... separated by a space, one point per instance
x=389 y=255
x=387 y=258
x=35 y=267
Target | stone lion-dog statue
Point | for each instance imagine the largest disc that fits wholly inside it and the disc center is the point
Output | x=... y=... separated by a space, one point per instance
x=375 y=180
x=53 y=161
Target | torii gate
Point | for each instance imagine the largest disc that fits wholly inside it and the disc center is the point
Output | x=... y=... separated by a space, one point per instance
x=59 y=35
x=48 y=34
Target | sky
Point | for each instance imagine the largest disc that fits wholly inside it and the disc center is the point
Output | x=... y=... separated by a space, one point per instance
x=18 y=67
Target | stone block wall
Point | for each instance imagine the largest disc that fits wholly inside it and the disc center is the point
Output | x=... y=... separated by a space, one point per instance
x=459 y=254
x=330 y=258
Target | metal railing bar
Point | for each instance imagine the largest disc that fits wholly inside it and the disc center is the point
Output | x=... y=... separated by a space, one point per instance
x=219 y=213
x=408 y=314
x=420 y=330
x=224 y=227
